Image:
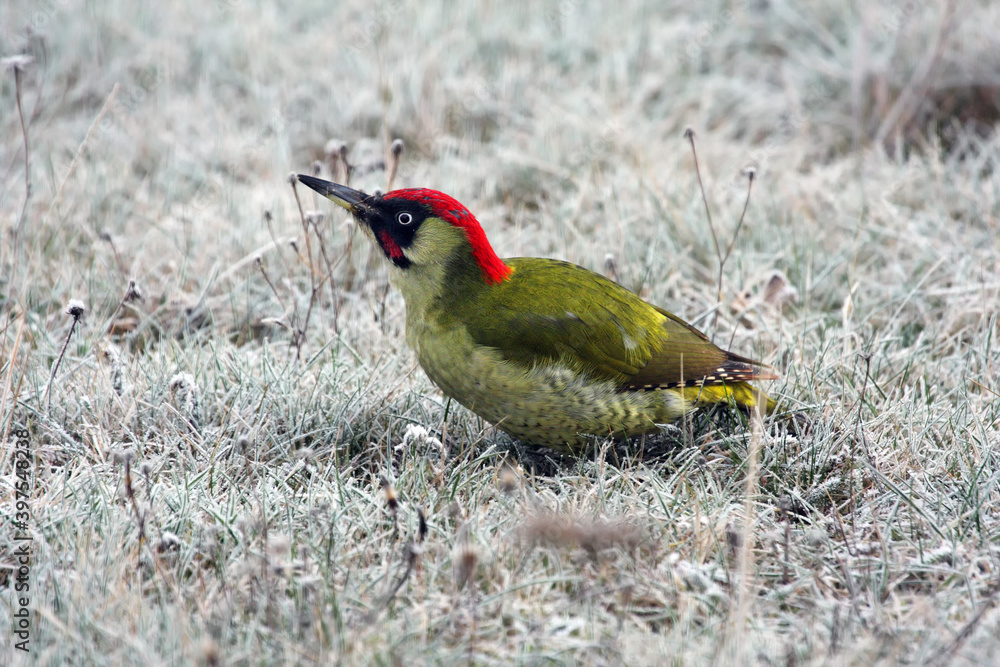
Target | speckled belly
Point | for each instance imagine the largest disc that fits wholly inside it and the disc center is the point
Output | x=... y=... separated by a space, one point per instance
x=549 y=404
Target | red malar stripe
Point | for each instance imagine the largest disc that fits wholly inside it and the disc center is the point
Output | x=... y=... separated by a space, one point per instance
x=390 y=246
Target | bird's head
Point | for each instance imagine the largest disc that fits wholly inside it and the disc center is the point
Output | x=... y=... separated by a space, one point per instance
x=417 y=228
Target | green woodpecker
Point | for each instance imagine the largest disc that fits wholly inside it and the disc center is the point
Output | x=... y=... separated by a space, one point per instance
x=545 y=350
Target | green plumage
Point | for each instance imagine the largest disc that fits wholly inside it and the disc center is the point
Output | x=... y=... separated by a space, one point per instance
x=547 y=351
x=557 y=351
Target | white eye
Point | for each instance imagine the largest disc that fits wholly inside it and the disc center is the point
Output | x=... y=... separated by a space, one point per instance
x=404 y=218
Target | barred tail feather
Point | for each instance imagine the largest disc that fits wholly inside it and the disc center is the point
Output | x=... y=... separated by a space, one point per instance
x=742 y=394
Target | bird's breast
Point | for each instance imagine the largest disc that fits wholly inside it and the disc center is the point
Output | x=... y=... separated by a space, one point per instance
x=546 y=403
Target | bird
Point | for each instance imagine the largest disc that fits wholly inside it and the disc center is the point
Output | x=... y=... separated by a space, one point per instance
x=547 y=351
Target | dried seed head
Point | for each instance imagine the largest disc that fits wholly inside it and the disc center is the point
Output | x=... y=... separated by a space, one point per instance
x=415 y=434
x=314 y=217
x=124 y=455
x=317 y=168
x=133 y=293
x=466 y=560
x=181 y=382
x=508 y=480
x=397 y=147
x=292 y=179
x=185 y=392
x=76 y=309
x=208 y=654
x=421 y=525
x=750 y=172
x=610 y=267
x=689 y=133
x=391 y=499
x=779 y=292
x=420 y=441
x=332 y=148
x=112 y=354
x=17 y=63
x=734 y=539
x=168 y=542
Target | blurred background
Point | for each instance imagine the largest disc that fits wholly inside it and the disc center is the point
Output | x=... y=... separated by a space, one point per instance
x=161 y=136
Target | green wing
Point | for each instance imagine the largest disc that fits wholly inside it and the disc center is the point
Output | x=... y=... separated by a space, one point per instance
x=555 y=311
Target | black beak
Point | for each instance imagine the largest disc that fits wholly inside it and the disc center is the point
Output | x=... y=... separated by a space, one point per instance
x=338 y=194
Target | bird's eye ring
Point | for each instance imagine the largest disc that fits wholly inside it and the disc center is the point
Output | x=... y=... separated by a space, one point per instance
x=404 y=218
